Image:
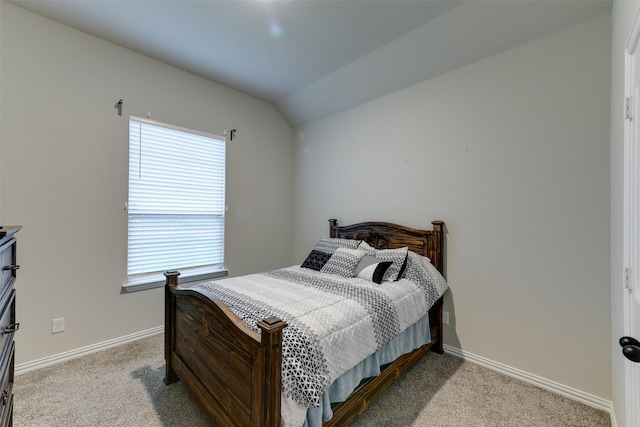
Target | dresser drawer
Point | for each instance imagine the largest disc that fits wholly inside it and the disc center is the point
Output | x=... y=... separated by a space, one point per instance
x=8 y=263
x=7 y=328
x=7 y=413
x=8 y=325
x=6 y=393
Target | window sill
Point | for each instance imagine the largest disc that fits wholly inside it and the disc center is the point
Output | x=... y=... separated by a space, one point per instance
x=158 y=281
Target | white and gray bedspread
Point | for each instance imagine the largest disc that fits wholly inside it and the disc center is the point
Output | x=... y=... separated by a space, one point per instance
x=333 y=323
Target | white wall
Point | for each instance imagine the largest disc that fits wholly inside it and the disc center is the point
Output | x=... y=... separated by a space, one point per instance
x=64 y=177
x=623 y=13
x=512 y=152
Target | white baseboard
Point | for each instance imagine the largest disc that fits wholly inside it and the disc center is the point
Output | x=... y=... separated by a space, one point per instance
x=83 y=351
x=571 y=393
x=586 y=398
x=614 y=422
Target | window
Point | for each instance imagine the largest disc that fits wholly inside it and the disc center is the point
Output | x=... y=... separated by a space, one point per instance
x=176 y=203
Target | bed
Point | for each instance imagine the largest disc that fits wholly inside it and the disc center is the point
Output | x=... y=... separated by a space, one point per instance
x=234 y=368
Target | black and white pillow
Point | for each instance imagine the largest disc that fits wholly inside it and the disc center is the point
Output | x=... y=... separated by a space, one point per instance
x=323 y=250
x=316 y=260
x=343 y=262
x=398 y=258
x=372 y=269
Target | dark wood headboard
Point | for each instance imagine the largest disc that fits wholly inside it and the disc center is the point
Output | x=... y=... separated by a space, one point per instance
x=385 y=235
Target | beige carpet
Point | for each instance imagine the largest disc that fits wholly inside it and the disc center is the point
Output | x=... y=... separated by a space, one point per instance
x=123 y=387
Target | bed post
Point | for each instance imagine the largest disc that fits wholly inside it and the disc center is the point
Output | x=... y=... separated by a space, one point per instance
x=169 y=324
x=436 y=318
x=438 y=243
x=333 y=223
x=438 y=261
x=271 y=339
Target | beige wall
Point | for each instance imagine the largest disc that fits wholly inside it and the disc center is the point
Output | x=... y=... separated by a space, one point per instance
x=64 y=177
x=515 y=146
x=1 y=221
x=623 y=14
x=512 y=152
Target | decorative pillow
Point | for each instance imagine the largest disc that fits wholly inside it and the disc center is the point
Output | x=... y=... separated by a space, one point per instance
x=403 y=268
x=343 y=262
x=316 y=260
x=398 y=258
x=372 y=269
x=329 y=245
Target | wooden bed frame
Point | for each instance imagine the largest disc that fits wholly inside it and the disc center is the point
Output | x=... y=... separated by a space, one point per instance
x=234 y=373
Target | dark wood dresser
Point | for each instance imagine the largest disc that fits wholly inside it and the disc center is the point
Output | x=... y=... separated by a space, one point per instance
x=8 y=325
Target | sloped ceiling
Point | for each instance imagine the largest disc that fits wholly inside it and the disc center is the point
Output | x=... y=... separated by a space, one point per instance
x=315 y=58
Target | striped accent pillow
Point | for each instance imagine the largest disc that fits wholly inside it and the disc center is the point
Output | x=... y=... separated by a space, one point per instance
x=372 y=269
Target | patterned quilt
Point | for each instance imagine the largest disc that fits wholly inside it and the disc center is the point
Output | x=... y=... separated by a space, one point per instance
x=334 y=322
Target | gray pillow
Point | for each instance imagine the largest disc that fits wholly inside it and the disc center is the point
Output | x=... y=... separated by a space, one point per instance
x=329 y=245
x=343 y=262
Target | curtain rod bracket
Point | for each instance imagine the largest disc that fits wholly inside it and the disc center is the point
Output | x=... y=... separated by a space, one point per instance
x=119 y=107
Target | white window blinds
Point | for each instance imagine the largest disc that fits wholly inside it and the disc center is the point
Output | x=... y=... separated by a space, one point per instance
x=176 y=201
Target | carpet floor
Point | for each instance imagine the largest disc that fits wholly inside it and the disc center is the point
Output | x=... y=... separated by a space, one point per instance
x=123 y=387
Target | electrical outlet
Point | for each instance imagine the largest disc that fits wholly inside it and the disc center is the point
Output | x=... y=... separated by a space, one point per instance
x=445 y=317
x=57 y=325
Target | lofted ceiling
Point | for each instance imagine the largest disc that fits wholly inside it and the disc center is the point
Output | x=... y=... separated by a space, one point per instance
x=315 y=58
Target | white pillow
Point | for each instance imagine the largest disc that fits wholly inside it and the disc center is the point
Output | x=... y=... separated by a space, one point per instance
x=372 y=269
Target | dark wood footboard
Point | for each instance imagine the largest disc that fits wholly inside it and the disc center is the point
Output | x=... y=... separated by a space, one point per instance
x=232 y=371
x=235 y=373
